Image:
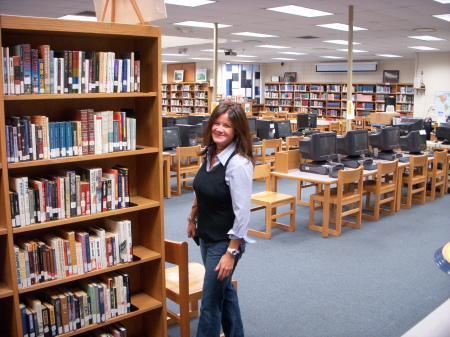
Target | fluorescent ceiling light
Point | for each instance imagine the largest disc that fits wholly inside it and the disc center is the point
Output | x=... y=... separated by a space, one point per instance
x=331 y=57
x=164 y=61
x=445 y=17
x=201 y=58
x=423 y=48
x=340 y=26
x=200 y=24
x=291 y=53
x=426 y=38
x=297 y=10
x=79 y=18
x=190 y=3
x=182 y=55
x=271 y=46
x=340 y=42
x=283 y=58
x=443 y=1
x=254 y=34
x=246 y=56
x=387 y=55
x=241 y=60
x=354 y=50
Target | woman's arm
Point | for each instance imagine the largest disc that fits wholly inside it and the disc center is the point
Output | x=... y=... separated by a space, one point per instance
x=192 y=220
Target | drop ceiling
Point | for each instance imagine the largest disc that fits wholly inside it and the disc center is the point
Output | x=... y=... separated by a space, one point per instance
x=388 y=24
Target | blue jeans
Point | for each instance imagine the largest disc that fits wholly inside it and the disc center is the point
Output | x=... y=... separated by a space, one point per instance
x=220 y=305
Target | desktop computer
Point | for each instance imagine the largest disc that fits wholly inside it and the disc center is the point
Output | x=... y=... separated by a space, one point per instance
x=265 y=129
x=188 y=134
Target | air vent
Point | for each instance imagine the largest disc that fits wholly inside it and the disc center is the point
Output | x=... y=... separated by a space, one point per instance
x=307 y=37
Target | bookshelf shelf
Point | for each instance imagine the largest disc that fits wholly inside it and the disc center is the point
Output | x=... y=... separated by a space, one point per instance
x=146 y=272
x=186 y=97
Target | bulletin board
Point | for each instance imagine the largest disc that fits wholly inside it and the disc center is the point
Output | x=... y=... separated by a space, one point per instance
x=188 y=68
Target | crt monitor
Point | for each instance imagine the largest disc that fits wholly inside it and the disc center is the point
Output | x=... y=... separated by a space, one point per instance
x=180 y=120
x=265 y=129
x=167 y=121
x=306 y=121
x=414 y=142
x=200 y=127
x=320 y=147
x=443 y=132
x=171 y=137
x=354 y=143
x=387 y=140
x=252 y=125
x=408 y=124
x=283 y=129
x=194 y=119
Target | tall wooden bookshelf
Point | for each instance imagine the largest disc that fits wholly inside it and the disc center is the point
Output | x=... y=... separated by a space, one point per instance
x=186 y=97
x=148 y=318
x=330 y=99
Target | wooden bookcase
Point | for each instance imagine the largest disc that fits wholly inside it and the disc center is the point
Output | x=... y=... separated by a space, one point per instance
x=186 y=97
x=330 y=99
x=145 y=165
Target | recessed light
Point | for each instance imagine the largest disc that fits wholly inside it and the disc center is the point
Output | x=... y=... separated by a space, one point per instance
x=190 y=3
x=301 y=11
x=354 y=50
x=340 y=26
x=283 y=59
x=340 y=42
x=331 y=57
x=200 y=24
x=387 y=55
x=271 y=46
x=445 y=17
x=426 y=38
x=423 y=48
x=291 y=53
x=254 y=34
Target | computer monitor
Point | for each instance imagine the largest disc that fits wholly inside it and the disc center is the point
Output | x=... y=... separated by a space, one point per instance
x=180 y=120
x=283 y=129
x=354 y=143
x=167 y=121
x=171 y=137
x=194 y=119
x=443 y=133
x=414 y=142
x=200 y=127
x=306 y=121
x=252 y=125
x=389 y=100
x=408 y=124
x=320 y=147
x=265 y=129
x=387 y=140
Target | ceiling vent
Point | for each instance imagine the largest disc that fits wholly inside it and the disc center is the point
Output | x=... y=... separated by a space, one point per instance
x=343 y=67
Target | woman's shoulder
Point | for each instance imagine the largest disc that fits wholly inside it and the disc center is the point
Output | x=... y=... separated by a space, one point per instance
x=240 y=160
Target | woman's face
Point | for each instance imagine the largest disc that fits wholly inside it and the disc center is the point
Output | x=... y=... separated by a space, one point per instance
x=222 y=131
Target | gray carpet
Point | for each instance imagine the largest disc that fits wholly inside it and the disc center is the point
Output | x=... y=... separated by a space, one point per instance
x=379 y=280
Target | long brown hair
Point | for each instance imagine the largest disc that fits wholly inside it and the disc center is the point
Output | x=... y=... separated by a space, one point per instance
x=241 y=129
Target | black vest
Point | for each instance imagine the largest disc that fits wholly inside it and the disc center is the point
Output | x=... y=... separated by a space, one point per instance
x=215 y=210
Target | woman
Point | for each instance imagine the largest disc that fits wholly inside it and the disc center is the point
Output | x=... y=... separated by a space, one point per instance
x=220 y=216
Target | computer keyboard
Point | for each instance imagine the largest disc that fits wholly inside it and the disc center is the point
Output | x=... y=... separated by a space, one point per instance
x=333 y=174
x=403 y=159
x=370 y=167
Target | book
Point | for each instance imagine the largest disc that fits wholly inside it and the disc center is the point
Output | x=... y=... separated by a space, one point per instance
x=52 y=317
x=35 y=304
x=44 y=54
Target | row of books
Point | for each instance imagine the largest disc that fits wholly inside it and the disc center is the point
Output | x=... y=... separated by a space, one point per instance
x=67 y=252
x=67 y=194
x=90 y=301
x=35 y=137
x=41 y=70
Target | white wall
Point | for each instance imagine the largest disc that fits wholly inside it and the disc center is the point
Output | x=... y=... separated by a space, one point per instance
x=436 y=77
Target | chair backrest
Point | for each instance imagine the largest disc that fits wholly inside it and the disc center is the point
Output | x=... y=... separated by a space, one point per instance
x=439 y=161
x=287 y=160
x=334 y=126
x=387 y=171
x=177 y=253
x=418 y=165
x=263 y=171
x=188 y=155
x=350 y=176
x=293 y=141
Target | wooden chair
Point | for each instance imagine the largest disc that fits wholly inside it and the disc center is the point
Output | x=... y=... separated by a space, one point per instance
x=335 y=126
x=437 y=173
x=415 y=180
x=186 y=163
x=269 y=201
x=274 y=145
x=340 y=197
x=384 y=189
x=359 y=122
x=293 y=142
x=184 y=284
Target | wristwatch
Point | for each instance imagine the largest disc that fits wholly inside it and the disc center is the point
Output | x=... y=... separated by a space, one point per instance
x=233 y=252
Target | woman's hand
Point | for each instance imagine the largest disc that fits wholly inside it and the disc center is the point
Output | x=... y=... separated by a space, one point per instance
x=191 y=229
x=225 y=266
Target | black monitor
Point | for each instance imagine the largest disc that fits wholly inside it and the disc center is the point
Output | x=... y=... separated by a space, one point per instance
x=171 y=137
x=283 y=129
x=195 y=119
x=252 y=125
x=408 y=124
x=443 y=133
x=320 y=147
x=167 y=121
x=389 y=100
x=200 y=127
x=387 y=140
x=306 y=121
x=265 y=129
x=180 y=120
x=354 y=143
x=414 y=142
